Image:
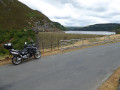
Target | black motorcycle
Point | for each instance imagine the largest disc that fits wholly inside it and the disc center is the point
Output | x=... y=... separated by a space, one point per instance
x=20 y=55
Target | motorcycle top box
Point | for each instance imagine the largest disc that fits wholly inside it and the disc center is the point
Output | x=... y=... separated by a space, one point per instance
x=8 y=46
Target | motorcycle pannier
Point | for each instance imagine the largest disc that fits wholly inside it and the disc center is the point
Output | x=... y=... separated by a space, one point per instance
x=8 y=46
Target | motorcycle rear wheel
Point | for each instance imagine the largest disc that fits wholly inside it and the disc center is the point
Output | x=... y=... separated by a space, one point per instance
x=37 y=55
x=15 y=60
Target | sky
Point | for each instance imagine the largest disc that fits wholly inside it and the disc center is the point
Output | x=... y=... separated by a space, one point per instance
x=78 y=12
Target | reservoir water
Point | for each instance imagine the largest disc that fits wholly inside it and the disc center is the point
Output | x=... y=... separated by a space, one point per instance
x=92 y=32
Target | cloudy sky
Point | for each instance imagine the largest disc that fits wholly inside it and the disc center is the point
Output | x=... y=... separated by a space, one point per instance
x=78 y=12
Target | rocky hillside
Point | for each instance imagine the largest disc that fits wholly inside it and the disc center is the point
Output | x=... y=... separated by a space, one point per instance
x=14 y=15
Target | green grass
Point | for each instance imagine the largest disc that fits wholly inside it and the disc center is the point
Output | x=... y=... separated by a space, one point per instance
x=17 y=38
x=45 y=39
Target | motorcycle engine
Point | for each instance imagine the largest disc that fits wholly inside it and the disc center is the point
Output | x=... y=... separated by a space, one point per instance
x=25 y=55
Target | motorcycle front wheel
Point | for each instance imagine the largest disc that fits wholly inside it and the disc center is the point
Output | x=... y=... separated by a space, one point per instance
x=16 y=60
x=37 y=55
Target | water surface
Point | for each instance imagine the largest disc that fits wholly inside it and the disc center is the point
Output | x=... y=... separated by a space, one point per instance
x=92 y=32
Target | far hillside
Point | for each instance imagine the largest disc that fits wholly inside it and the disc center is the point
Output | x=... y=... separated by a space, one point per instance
x=97 y=27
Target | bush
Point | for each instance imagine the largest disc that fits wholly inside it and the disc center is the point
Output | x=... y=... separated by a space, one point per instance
x=3 y=52
x=16 y=37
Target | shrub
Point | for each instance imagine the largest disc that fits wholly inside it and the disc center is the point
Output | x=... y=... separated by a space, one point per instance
x=16 y=37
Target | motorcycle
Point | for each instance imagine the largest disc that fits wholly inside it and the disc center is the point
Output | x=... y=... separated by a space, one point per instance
x=20 y=55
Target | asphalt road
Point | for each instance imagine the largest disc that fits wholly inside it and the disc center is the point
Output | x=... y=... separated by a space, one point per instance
x=83 y=69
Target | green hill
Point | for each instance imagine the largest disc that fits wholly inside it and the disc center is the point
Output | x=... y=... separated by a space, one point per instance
x=15 y=15
x=18 y=23
x=97 y=27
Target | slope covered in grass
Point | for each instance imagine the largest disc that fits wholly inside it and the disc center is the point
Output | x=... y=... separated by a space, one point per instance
x=16 y=15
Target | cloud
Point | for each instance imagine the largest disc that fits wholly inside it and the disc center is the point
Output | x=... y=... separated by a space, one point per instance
x=78 y=12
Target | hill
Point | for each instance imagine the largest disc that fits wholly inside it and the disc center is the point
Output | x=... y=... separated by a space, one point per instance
x=96 y=27
x=15 y=15
x=18 y=23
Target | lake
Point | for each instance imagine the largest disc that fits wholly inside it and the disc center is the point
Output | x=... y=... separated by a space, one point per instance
x=92 y=32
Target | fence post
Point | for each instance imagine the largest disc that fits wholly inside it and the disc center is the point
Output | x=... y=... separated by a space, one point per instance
x=43 y=46
x=114 y=39
x=91 y=41
x=51 y=45
x=58 y=44
x=82 y=42
x=94 y=40
x=104 y=40
x=79 y=43
x=73 y=43
x=109 y=38
x=37 y=40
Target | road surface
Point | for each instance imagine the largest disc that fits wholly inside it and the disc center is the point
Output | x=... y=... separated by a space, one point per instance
x=83 y=69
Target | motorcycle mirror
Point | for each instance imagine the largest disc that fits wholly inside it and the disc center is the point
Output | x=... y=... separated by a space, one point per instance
x=25 y=43
x=9 y=44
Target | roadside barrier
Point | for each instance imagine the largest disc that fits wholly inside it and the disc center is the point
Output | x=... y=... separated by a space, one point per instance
x=75 y=43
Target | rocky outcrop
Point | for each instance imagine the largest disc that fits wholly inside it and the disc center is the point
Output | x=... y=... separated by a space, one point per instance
x=42 y=25
x=46 y=27
x=1 y=1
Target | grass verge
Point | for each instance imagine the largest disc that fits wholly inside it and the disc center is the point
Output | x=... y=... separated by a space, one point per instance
x=112 y=82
